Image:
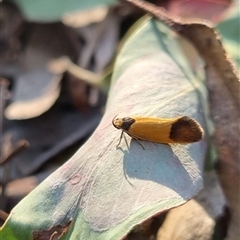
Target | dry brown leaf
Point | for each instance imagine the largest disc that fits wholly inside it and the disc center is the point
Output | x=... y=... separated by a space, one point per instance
x=35 y=87
x=188 y=222
x=21 y=187
x=195 y=219
x=226 y=118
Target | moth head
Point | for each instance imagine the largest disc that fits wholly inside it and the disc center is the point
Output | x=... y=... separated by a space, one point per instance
x=117 y=122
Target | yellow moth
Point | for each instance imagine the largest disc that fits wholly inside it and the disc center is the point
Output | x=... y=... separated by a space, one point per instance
x=181 y=130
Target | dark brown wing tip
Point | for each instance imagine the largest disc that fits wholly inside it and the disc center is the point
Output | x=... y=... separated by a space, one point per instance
x=186 y=130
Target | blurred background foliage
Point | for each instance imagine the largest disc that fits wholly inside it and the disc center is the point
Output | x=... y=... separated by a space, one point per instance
x=56 y=63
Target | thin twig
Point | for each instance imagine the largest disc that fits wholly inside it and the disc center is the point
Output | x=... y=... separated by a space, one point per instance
x=3 y=215
x=19 y=147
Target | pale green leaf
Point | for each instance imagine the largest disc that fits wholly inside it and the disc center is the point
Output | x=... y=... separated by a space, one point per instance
x=108 y=190
x=48 y=11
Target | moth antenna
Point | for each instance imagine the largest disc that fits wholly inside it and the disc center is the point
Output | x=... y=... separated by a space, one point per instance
x=114 y=118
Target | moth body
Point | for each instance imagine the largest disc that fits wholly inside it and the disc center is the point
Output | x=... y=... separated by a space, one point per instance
x=180 y=130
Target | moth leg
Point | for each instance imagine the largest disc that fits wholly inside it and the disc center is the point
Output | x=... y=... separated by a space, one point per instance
x=139 y=142
x=132 y=136
x=120 y=139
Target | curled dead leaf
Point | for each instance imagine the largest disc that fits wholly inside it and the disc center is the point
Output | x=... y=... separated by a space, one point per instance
x=205 y=39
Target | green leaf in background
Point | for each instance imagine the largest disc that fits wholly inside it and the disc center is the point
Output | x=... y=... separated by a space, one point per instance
x=105 y=190
x=49 y=11
x=230 y=32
